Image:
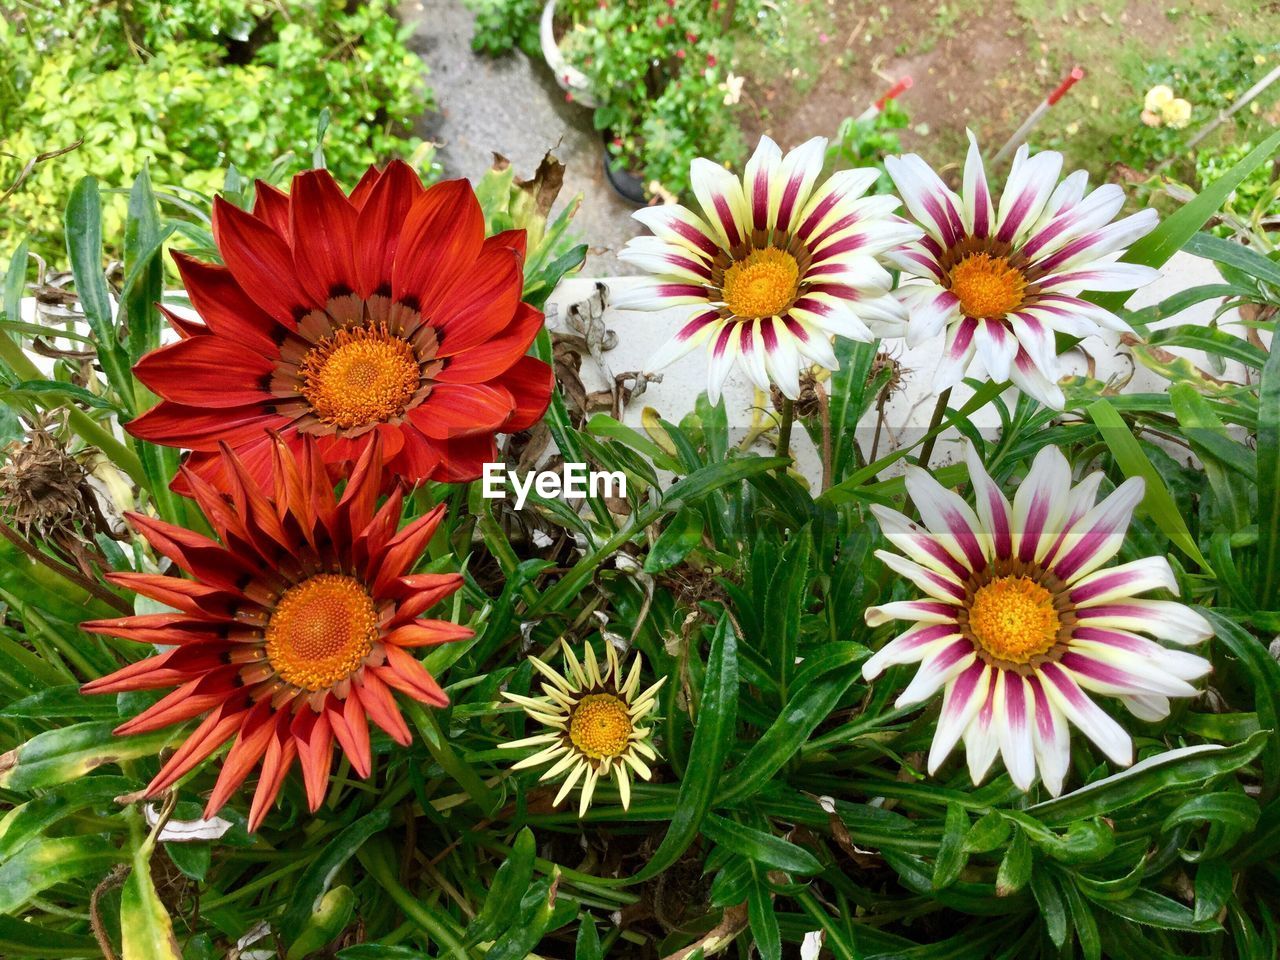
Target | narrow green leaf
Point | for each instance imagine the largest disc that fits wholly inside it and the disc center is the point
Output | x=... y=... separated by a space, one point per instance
x=759 y=847
x=1156 y=910
x=146 y=930
x=1183 y=767
x=510 y=883
x=951 y=852
x=84 y=249
x=1234 y=255
x=316 y=879
x=1213 y=887
x=38 y=866
x=1158 y=502
x=533 y=920
x=1052 y=910
x=713 y=476
x=588 y=943
x=144 y=268
x=1268 y=459
x=681 y=535
x=1264 y=677
x=712 y=737
x=761 y=918
x=1015 y=868
x=58 y=756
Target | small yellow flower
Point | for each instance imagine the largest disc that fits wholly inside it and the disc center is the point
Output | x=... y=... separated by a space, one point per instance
x=1176 y=113
x=1157 y=97
x=596 y=722
x=1259 y=59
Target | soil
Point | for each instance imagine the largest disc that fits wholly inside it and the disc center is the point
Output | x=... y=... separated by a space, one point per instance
x=983 y=65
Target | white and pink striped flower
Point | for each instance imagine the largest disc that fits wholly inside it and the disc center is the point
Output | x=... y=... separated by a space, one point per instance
x=778 y=266
x=1002 y=280
x=1021 y=619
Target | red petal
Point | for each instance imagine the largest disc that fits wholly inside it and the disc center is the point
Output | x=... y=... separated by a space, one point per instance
x=427 y=633
x=271 y=205
x=402 y=551
x=170 y=629
x=419 y=592
x=324 y=230
x=184 y=327
x=212 y=733
x=164 y=670
x=251 y=743
x=199 y=556
x=226 y=309
x=200 y=428
x=462 y=459
x=361 y=494
x=352 y=731
x=314 y=737
x=382 y=708
x=531 y=382
x=461 y=409
x=187 y=595
x=378 y=227
x=409 y=676
x=254 y=453
x=481 y=303
x=442 y=237
x=418 y=460
x=281 y=752
x=486 y=361
x=207 y=372
x=517 y=240
x=189 y=700
x=260 y=260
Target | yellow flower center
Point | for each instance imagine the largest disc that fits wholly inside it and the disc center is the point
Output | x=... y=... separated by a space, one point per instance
x=600 y=726
x=987 y=286
x=321 y=631
x=1013 y=619
x=762 y=285
x=358 y=377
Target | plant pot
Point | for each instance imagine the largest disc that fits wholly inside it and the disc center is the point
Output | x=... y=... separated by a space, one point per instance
x=569 y=78
x=626 y=184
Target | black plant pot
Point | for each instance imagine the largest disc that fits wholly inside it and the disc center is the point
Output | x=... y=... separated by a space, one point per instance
x=625 y=183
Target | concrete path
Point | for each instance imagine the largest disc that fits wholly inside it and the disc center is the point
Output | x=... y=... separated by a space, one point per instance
x=512 y=105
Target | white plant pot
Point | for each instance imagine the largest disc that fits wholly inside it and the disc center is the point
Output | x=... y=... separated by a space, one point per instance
x=570 y=78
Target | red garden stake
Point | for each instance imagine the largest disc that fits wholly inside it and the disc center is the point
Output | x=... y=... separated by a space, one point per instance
x=897 y=90
x=1020 y=135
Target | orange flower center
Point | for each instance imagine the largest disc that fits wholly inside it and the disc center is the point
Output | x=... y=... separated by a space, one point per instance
x=358 y=377
x=600 y=726
x=987 y=286
x=321 y=631
x=1013 y=619
x=762 y=285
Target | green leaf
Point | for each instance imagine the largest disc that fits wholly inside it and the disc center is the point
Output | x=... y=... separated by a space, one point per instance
x=1230 y=816
x=22 y=938
x=588 y=944
x=315 y=880
x=1052 y=910
x=64 y=700
x=681 y=535
x=1156 y=910
x=761 y=918
x=57 y=756
x=759 y=847
x=145 y=928
x=59 y=391
x=810 y=705
x=510 y=883
x=1157 y=501
x=15 y=282
x=1264 y=676
x=988 y=833
x=1234 y=255
x=1170 y=236
x=38 y=866
x=1184 y=767
x=533 y=920
x=1268 y=459
x=1015 y=868
x=326 y=924
x=1213 y=887
x=84 y=248
x=144 y=268
x=26 y=821
x=712 y=738
x=951 y=852
x=713 y=476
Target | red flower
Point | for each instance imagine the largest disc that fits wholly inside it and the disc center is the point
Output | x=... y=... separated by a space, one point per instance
x=386 y=313
x=294 y=629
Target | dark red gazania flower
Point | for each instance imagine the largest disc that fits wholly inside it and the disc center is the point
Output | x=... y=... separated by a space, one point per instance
x=293 y=630
x=384 y=313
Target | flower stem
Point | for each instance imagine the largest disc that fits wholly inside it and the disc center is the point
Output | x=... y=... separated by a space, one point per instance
x=784 y=430
x=931 y=438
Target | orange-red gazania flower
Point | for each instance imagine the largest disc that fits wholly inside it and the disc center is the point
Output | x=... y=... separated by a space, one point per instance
x=387 y=312
x=292 y=632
